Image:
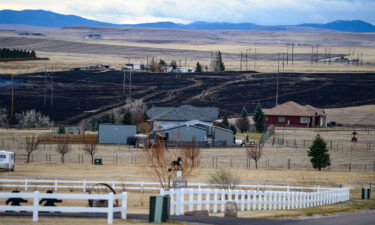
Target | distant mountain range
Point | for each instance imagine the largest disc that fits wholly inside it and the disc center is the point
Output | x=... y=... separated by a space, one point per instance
x=42 y=18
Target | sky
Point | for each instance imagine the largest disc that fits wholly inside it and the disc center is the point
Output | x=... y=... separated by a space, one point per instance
x=263 y=12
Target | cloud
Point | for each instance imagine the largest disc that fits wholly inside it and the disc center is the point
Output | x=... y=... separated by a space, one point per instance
x=266 y=12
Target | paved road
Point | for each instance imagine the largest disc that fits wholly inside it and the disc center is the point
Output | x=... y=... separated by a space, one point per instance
x=367 y=218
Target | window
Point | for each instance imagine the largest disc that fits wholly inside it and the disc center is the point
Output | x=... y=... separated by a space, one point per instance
x=305 y=119
x=266 y=118
x=281 y=119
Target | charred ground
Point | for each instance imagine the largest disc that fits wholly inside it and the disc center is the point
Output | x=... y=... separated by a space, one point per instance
x=78 y=95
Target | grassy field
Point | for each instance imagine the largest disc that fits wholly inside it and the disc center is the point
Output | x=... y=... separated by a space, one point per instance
x=118 y=44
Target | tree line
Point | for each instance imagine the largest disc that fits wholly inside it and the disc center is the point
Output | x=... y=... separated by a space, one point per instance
x=16 y=53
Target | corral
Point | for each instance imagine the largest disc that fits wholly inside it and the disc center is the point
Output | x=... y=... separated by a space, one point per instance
x=78 y=95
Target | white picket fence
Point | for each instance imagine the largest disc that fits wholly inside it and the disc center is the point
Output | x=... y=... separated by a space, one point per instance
x=214 y=200
x=84 y=185
x=35 y=208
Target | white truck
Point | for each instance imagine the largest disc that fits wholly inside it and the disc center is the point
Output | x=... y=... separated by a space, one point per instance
x=6 y=160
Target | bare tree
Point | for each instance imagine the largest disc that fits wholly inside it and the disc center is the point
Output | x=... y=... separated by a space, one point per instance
x=3 y=117
x=161 y=161
x=255 y=152
x=90 y=148
x=63 y=147
x=159 y=158
x=224 y=179
x=31 y=145
x=33 y=118
x=191 y=156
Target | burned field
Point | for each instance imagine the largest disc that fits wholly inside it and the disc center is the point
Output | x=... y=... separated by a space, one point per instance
x=78 y=95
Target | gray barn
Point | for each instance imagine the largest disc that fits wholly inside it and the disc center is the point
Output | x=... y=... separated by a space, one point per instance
x=116 y=133
x=203 y=133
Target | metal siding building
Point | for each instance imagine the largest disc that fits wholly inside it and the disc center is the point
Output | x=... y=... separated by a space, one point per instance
x=221 y=134
x=115 y=133
x=185 y=133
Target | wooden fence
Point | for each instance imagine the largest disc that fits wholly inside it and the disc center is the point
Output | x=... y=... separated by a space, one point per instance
x=35 y=208
x=214 y=200
x=69 y=138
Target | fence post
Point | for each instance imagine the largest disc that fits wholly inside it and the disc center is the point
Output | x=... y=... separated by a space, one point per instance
x=36 y=206
x=124 y=202
x=84 y=186
x=215 y=200
x=222 y=200
x=208 y=199
x=56 y=185
x=199 y=199
x=26 y=182
x=191 y=198
x=110 y=208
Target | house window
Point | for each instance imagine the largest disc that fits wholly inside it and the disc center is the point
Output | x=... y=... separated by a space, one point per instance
x=281 y=119
x=266 y=118
x=305 y=119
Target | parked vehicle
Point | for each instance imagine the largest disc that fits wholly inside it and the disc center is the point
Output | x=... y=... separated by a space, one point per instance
x=334 y=124
x=6 y=160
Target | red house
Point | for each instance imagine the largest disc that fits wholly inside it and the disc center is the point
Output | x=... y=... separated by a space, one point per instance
x=291 y=114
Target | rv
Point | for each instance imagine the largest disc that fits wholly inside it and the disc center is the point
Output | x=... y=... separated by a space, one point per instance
x=6 y=160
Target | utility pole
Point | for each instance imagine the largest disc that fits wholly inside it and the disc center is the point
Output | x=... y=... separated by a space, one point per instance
x=45 y=87
x=123 y=85
x=277 y=80
x=130 y=84
x=241 y=61
x=147 y=63
x=52 y=90
x=312 y=54
x=287 y=54
x=12 y=103
x=292 y=52
x=255 y=56
x=283 y=61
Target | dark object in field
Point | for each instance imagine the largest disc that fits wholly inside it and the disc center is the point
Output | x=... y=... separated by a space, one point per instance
x=15 y=201
x=334 y=124
x=50 y=201
x=354 y=139
x=177 y=164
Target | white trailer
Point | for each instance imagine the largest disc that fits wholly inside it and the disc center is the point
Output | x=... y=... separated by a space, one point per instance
x=6 y=160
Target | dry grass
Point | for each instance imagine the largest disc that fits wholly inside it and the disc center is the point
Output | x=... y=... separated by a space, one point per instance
x=143 y=42
x=360 y=115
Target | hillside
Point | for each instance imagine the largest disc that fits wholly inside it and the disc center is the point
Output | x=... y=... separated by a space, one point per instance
x=50 y=19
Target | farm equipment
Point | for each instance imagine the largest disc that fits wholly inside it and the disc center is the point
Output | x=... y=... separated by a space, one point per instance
x=101 y=188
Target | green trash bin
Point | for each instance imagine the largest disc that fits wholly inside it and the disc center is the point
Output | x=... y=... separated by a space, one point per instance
x=98 y=161
x=166 y=208
x=366 y=193
x=159 y=209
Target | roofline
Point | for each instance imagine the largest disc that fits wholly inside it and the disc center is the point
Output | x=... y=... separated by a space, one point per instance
x=182 y=125
x=294 y=115
x=222 y=128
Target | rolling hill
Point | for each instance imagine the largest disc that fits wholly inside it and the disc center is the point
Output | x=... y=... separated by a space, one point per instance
x=44 y=18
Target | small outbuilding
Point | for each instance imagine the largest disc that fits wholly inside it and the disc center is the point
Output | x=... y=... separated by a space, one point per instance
x=202 y=133
x=116 y=133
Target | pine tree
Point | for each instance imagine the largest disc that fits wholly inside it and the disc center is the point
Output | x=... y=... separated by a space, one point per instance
x=198 y=68
x=259 y=118
x=61 y=130
x=318 y=153
x=225 y=122
x=243 y=122
x=221 y=64
x=127 y=118
x=233 y=128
